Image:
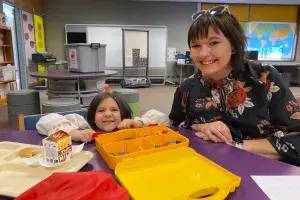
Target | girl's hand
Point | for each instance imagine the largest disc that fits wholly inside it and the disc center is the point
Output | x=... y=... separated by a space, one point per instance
x=215 y=131
x=130 y=123
x=82 y=135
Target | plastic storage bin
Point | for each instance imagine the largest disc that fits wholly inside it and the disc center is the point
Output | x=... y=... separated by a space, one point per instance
x=130 y=143
x=86 y=57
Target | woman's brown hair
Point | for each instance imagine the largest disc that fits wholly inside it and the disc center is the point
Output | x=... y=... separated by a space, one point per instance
x=229 y=26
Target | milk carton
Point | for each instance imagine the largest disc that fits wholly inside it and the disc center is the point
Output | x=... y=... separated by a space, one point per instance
x=57 y=148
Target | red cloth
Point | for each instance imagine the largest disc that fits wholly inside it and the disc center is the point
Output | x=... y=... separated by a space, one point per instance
x=94 y=185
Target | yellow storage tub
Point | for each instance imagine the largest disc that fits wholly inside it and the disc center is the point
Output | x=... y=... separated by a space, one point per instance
x=130 y=143
x=176 y=174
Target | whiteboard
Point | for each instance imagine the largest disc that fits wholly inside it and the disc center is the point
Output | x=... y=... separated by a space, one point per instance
x=135 y=41
x=111 y=35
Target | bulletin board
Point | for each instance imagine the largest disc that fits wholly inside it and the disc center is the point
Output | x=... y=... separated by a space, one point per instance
x=29 y=42
x=39 y=38
x=39 y=33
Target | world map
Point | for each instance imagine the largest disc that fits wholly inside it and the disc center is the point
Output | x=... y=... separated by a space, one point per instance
x=274 y=41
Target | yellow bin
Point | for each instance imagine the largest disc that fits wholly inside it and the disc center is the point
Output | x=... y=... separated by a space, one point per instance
x=131 y=143
x=176 y=174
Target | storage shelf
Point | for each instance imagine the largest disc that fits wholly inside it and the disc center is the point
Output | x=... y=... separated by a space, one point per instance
x=7 y=55
x=6 y=62
x=4 y=28
x=5 y=45
x=6 y=81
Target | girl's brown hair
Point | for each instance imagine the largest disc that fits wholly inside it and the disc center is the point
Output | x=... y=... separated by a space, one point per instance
x=124 y=108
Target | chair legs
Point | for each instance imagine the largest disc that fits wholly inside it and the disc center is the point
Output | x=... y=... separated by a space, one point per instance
x=21 y=122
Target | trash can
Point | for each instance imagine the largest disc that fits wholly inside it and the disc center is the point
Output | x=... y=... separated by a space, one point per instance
x=25 y=102
x=131 y=96
x=61 y=105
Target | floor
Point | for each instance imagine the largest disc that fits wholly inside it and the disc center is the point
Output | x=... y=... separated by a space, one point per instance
x=157 y=96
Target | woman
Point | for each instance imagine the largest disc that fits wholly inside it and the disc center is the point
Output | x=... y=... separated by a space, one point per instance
x=232 y=100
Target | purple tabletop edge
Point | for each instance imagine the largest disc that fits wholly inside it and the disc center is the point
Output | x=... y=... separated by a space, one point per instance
x=65 y=74
x=239 y=162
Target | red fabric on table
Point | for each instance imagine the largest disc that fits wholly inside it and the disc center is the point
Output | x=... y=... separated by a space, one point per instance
x=94 y=185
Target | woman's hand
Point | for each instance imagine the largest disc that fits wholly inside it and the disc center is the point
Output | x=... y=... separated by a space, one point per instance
x=214 y=131
x=82 y=135
x=130 y=123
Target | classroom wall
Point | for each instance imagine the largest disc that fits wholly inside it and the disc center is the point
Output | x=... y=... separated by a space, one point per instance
x=266 y=13
x=176 y=16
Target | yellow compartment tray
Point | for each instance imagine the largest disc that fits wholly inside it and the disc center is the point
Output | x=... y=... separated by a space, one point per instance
x=176 y=174
x=130 y=143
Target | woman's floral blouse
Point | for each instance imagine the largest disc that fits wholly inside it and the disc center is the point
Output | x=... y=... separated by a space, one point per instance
x=254 y=103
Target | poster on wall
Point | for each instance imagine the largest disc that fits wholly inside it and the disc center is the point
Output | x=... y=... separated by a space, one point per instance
x=39 y=38
x=39 y=33
x=274 y=41
x=29 y=42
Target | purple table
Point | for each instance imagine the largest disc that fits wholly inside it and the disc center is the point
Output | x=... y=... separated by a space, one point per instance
x=239 y=162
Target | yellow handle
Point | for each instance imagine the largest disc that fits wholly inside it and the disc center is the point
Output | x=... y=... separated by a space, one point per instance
x=211 y=193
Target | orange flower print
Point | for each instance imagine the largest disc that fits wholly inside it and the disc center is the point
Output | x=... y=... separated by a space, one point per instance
x=270 y=86
x=238 y=100
x=296 y=115
x=210 y=103
x=263 y=76
x=207 y=103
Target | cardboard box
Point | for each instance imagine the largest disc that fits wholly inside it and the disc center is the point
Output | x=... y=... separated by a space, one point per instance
x=57 y=148
x=7 y=73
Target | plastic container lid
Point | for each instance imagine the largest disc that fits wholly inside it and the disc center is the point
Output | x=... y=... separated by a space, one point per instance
x=176 y=174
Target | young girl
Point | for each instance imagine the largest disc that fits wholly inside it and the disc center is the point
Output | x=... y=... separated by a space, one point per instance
x=107 y=113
